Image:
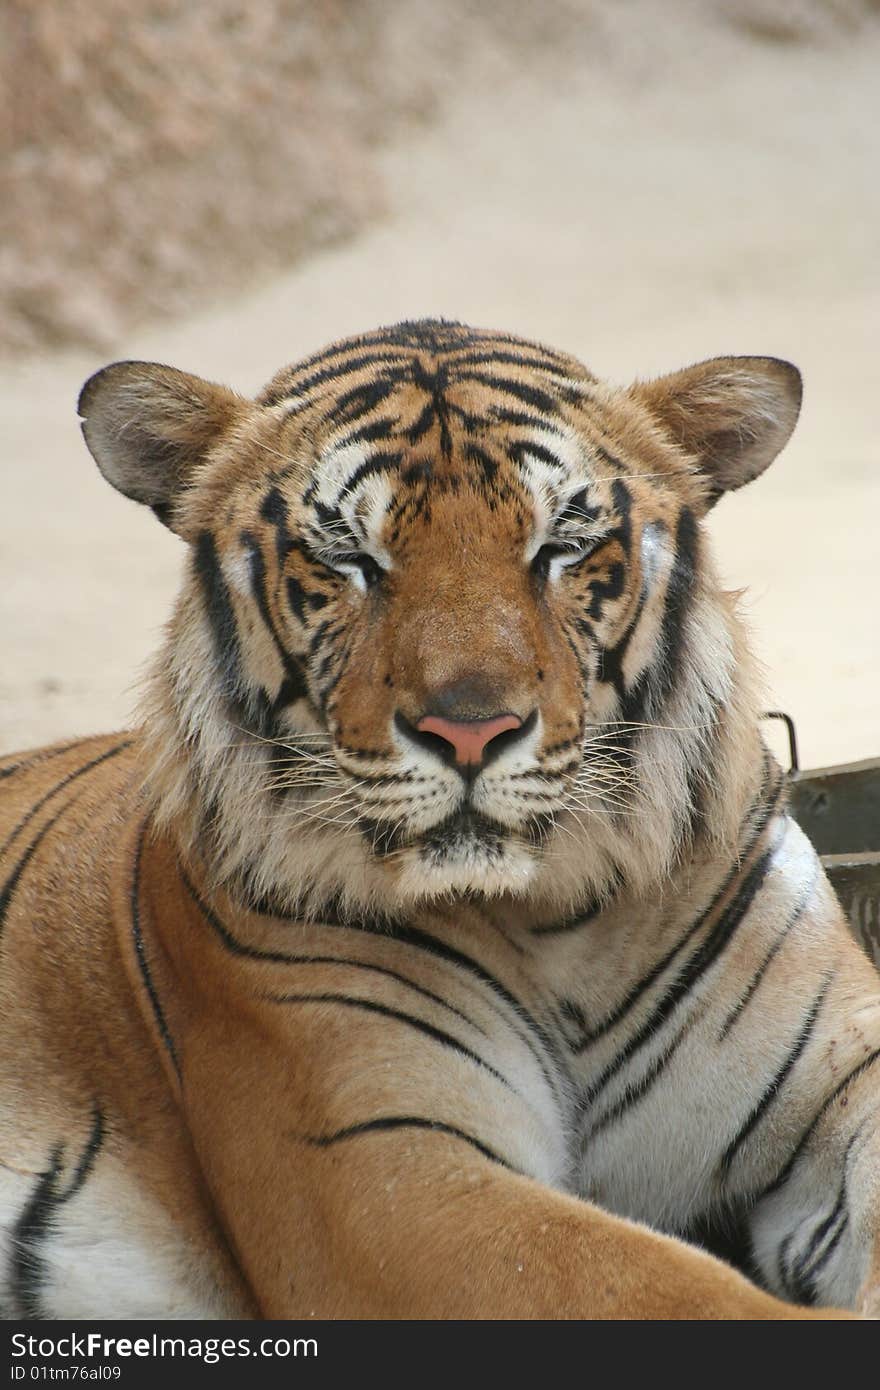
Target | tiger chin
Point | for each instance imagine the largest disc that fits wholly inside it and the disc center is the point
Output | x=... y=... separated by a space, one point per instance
x=438 y=944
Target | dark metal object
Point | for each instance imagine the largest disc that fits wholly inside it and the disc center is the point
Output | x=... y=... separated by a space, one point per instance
x=839 y=809
x=793 y=761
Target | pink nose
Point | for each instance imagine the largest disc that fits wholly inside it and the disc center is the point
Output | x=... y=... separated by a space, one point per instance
x=468 y=738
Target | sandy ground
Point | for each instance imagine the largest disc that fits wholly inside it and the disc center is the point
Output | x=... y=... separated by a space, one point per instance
x=718 y=195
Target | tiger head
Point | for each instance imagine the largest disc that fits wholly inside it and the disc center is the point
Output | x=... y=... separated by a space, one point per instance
x=448 y=624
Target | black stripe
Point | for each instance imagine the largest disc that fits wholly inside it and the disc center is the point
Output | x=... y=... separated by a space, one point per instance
x=141 y=954
x=89 y=1154
x=238 y=948
x=387 y=1123
x=621 y=498
x=637 y=1090
x=325 y=629
x=702 y=771
x=611 y=659
x=771 y=1091
x=799 y=1282
x=361 y=399
x=604 y=591
x=528 y=1029
x=470 y=422
x=798 y=1278
x=377 y=463
x=584 y=915
x=517 y=450
x=635 y=992
x=385 y=1011
x=488 y=466
x=523 y=391
x=702 y=959
x=420 y=426
x=579 y=509
x=273 y=509
x=293 y=686
x=736 y=1012
x=250 y=707
x=435 y=384
x=423 y=941
x=782 y=1261
x=535 y=358
x=27 y=1265
x=580 y=656
x=786 y=1171
x=433 y=335
x=645 y=698
x=298 y=385
x=328 y=686
x=820 y=1263
x=382 y=428
x=611 y=588
x=297 y=597
x=801 y=1277
x=59 y=786
x=505 y=415
x=324 y=669
x=12 y=881
x=600 y=450
x=418 y=333
x=38 y=1220
x=220 y=614
x=42 y=755
x=679 y=590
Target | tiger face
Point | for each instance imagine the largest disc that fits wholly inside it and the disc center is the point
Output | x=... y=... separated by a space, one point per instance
x=448 y=626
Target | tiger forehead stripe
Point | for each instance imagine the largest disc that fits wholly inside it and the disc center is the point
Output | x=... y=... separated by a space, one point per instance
x=555 y=445
x=396 y=354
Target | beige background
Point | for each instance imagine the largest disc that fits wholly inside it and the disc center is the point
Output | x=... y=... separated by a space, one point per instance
x=686 y=187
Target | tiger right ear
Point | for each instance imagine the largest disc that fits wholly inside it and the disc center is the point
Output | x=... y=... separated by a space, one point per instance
x=732 y=414
x=150 y=427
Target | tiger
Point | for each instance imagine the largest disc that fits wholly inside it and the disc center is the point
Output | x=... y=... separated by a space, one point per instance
x=438 y=943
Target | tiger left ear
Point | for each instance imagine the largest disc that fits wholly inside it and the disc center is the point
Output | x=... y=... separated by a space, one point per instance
x=733 y=414
x=150 y=428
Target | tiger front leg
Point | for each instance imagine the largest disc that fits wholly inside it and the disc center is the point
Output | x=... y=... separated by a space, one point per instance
x=394 y=1221
x=404 y=1214
x=816 y=1234
x=456 y=1238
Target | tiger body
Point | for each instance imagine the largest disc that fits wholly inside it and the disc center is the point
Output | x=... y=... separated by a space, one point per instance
x=335 y=1010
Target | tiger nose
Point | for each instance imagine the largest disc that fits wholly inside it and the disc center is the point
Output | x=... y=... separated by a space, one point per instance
x=468 y=737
